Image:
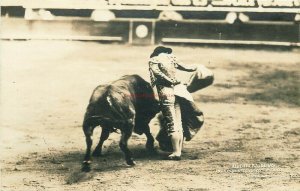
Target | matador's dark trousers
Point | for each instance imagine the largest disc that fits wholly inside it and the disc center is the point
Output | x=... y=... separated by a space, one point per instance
x=170 y=109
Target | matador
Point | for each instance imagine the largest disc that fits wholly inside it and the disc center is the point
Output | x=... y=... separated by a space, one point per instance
x=162 y=66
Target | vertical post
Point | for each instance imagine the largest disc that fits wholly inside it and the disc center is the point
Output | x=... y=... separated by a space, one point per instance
x=153 y=32
x=299 y=31
x=130 y=31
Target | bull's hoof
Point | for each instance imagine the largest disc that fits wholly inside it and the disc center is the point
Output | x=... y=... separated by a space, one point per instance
x=130 y=162
x=86 y=166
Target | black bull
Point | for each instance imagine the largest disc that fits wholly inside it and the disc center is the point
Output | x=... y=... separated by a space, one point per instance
x=129 y=104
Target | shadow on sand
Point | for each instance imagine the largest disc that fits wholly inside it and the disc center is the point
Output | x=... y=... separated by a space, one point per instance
x=69 y=164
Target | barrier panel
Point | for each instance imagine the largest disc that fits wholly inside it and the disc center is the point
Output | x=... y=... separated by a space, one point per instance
x=87 y=30
x=260 y=33
x=149 y=31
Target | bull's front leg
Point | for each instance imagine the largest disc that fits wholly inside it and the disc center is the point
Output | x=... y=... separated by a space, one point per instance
x=126 y=133
x=150 y=140
x=88 y=132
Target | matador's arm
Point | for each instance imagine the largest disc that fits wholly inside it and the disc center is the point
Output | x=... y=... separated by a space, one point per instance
x=154 y=67
x=183 y=67
x=186 y=68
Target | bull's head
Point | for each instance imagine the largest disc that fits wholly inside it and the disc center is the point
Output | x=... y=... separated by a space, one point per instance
x=162 y=137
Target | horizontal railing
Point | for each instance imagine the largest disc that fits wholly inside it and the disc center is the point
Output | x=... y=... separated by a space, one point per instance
x=106 y=5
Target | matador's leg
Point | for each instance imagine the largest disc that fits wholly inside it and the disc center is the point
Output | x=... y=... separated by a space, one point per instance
x=174 y=129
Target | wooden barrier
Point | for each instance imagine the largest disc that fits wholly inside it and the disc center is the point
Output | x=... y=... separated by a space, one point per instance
x=151 y=31
x=259 y=33
x=87 y=30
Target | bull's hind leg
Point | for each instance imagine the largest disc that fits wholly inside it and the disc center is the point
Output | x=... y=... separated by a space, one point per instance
x=104 y=136
x=88 y=132
x=126 y=133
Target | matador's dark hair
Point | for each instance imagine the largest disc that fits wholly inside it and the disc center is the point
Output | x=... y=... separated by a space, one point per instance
x=161 y=49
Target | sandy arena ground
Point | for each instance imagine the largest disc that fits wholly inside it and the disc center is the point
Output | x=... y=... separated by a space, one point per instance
x=248 y=142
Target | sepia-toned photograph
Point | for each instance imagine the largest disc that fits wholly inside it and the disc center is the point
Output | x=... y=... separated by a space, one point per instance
x=148 y=95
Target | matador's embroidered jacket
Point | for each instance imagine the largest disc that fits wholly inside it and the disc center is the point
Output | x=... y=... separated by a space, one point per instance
x=163 y=70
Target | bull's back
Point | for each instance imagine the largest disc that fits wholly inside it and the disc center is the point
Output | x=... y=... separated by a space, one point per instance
x=122 y=100
x=112 y=103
